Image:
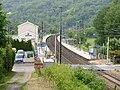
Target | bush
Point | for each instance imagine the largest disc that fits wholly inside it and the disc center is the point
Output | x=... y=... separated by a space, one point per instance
x=26 y=46
x=67 y=78
x=6 y=61
x=62 y=75
x=89 y=78
x=97 y=84
x=2 y=55
x=85 y=76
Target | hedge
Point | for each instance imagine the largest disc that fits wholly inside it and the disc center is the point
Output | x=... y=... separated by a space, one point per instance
x=7 y=57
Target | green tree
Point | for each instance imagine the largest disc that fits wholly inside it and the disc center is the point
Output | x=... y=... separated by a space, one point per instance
x=99 y=24
x=2 y=55
x=8 y=59
x=90 y=32
x=114 y=44
x=70 y=33
x=29 y=45
x=3 y=23
x=107 y=22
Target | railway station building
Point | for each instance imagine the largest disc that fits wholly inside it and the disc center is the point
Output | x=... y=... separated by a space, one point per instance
x=28 y=31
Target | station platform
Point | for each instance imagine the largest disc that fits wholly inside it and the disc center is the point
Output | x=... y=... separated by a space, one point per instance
x=76 y=50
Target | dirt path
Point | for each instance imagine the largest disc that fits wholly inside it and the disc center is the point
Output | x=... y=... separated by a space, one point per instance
x=15 y=78
x=14 y=87
x=26 y=77
x=18 y=84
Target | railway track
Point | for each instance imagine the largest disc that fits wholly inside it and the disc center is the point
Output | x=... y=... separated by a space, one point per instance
x=69 y=57
x=112 y=80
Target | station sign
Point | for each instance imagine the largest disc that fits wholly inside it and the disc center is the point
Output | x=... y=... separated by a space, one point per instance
x=91 y=51
x=41 y=44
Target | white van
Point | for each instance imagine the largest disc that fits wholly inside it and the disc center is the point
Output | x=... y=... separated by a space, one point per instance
x=19 y=58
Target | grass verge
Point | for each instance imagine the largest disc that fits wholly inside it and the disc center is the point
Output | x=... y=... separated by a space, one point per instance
x=7 y=77
x=37 y=82
x=3 y=87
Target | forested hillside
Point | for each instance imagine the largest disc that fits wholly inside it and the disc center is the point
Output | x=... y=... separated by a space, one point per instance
x=107 y=23
x=48 y=11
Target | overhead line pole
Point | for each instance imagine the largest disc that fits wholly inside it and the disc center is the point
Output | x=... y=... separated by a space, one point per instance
x=42 y=32
x=55 y=51
x=77 y=40
x=108 y=60
x=60 y=34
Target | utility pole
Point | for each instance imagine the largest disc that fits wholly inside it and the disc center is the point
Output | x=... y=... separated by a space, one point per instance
x=108 y=60
x=42 y=29
x=80 y=41
x=103 y=50
x=60 y=33
x=55 y=51
x=65 y=29
x=77 y=39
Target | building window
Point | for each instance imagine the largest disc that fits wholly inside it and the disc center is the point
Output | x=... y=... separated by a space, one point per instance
x=28 y=34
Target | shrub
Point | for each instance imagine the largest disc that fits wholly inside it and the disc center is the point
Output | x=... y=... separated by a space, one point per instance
x=2 y=54
x=97 y=84
x=63 y=76
x=6 y=61
x=89 y=78
x=8 y=58
x=68 y=78
x=26 y=46
x=86 y=76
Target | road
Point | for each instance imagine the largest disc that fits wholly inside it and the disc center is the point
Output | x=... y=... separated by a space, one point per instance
x=23 y=74
x=24 y=67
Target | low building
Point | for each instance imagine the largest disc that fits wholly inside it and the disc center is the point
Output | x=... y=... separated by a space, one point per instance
x=28 y=31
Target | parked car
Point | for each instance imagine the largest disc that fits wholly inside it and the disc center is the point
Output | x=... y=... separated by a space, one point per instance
x=21 y=52
x=29 y=54
x=19 y=58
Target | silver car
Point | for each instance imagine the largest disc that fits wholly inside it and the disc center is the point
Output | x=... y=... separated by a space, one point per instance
x=21 y=52
x=19 y=58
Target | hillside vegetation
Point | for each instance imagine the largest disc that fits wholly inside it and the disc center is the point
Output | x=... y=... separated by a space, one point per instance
x=48 y=11
x=107 y=23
